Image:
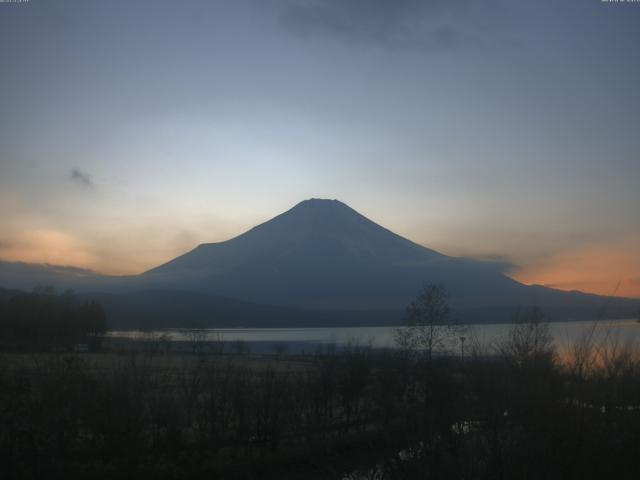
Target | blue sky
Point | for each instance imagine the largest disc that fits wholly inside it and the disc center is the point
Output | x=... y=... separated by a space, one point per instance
x=132 y=131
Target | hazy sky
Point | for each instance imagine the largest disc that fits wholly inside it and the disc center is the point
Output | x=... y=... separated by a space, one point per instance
x=130 y=131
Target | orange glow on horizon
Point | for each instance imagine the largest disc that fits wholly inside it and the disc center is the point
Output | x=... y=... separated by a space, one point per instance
x=48 y=246
x=612 y=269
x=58 y=248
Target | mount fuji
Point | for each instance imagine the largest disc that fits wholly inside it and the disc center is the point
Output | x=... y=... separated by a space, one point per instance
x=322 y=253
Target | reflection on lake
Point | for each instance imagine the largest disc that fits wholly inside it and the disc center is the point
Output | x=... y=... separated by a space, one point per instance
x=262 y=340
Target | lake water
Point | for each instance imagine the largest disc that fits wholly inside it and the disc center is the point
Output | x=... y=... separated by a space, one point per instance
x=265 y=340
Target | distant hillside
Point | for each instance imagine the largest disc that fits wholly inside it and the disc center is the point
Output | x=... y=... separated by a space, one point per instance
x=156 y=309
x=178 y=309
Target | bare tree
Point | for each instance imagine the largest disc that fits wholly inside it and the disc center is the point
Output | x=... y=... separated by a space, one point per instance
x=279 y=349
x=216 y=345
x=529 y=339
x=428 y=324
x=197 y=339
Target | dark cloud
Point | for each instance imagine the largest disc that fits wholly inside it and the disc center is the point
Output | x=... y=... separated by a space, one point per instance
x=68 y=269
x=502 y=266
x=81 y=177
x=24 y=275
x=496 y=262
x=495 y=257
x=26 y=267
x=487 y=264
x=413 y=24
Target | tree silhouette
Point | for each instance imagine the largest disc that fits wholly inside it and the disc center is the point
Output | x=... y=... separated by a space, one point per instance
x=428 y=323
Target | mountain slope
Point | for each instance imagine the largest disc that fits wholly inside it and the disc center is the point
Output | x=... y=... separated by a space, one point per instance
x=322 y=253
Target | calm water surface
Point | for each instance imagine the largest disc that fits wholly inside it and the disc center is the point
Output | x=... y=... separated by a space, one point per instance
x=298 y=339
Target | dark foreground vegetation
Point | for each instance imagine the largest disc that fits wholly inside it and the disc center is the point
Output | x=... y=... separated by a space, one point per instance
x=522 y=412
x=517 y=410
x=44 y=320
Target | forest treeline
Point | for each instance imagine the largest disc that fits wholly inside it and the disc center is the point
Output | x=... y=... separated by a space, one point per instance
x=520 y=410
x=45 y=320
